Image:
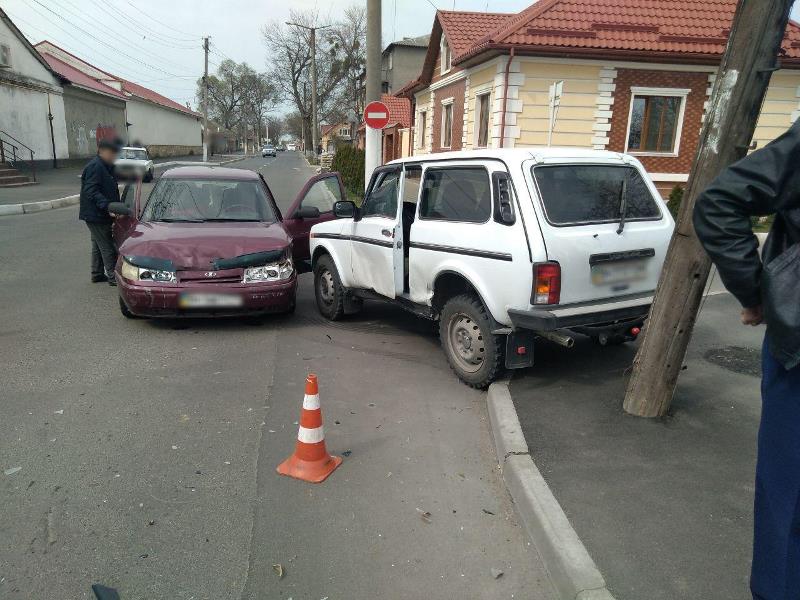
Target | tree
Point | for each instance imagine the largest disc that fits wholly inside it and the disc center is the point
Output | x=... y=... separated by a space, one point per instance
x=225 y=94
x=340 y=52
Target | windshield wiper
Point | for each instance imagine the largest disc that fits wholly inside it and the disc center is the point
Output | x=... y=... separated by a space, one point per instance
x=175 y=220
x=623 y=205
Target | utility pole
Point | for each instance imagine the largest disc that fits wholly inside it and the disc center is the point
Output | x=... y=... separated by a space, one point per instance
x=741 y=83
x=372 y=151
x=313 y=46
x=205 y=102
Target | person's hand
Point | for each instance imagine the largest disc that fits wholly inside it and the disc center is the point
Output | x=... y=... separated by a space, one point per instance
x=753 y=316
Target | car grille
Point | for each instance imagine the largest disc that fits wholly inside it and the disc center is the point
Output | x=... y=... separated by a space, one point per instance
x=211 y=277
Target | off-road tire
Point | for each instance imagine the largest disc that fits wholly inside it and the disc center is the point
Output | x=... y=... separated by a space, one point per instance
x=124 y=310
x=328 y=289
x=468 y=312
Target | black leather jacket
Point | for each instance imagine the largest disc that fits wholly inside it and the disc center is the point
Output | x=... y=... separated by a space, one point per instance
x=99 y=187
x=765 y=182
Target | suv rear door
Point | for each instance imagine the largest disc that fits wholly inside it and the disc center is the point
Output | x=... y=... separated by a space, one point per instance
x=601 y=255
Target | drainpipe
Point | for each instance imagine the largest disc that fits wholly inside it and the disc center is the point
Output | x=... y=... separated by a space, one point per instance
x=52 y=135
x=505 y=100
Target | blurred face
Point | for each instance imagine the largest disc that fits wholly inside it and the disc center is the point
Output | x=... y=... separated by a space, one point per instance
x=107 y=155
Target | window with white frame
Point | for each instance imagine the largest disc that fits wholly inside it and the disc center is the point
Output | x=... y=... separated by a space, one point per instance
x=447 y=123
x=656 y=119
x=5 y=55
x=422 y=128
x=344 y=132
x=446 y=55
x=482 y=116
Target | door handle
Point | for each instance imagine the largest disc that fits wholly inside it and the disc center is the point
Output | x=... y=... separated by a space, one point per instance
x=387 y=233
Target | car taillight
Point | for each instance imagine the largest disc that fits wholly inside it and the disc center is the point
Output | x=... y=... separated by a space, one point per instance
x=546 y=283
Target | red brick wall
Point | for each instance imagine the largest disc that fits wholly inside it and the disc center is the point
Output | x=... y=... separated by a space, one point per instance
x=455 y=91
x=692 y=119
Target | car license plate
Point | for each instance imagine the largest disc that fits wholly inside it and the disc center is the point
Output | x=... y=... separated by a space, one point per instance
x=199 y=300
x=619 y=272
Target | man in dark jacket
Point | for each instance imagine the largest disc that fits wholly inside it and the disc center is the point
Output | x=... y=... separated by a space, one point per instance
x=767 y=182
x=99 y=188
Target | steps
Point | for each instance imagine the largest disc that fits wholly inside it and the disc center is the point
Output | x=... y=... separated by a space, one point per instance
x=11 y=177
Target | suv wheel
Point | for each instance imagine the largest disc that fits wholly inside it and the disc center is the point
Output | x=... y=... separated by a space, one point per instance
x=473 y=351
x=328 y=289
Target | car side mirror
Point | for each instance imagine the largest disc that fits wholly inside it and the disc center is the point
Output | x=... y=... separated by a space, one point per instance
x=119 y=208
x=344 y=209
x=307 y=212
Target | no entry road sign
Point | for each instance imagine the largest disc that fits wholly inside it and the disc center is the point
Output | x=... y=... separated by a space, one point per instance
x=376 y=115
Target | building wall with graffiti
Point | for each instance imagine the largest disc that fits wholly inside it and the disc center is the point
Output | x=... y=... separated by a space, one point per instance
x=90 y=118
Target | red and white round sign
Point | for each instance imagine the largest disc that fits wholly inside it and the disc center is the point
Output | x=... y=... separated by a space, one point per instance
x=376 y=115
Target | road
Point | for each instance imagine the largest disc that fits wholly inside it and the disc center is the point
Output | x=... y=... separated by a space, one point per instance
x=141 y=454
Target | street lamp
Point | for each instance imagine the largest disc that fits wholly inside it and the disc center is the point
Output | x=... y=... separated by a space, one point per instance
x=314 y=124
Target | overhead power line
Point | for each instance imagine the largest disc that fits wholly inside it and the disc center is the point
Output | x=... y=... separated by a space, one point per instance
x=104 y=43
x=153 y=36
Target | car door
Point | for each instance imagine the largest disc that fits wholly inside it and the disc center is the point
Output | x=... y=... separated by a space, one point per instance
x=314 y=204
x=124 y=224
x=377 y=237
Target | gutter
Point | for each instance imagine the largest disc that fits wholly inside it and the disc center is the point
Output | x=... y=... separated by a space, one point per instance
x=505 y=99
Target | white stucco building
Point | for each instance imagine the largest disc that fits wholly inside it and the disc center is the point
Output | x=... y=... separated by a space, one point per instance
x=31 y=98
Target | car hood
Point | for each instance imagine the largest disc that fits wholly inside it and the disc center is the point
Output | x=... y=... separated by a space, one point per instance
x=197 y=245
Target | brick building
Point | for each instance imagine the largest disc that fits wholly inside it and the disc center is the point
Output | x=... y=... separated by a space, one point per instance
x=636 y=76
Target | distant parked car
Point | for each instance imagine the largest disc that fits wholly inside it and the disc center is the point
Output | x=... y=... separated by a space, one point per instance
x=291 y=147
x=134 y=161
x=281 y=148
x=269 y=150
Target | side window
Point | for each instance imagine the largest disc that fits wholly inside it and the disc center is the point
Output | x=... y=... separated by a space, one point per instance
x=323 y=195
x=456 y=194
x=382 y=198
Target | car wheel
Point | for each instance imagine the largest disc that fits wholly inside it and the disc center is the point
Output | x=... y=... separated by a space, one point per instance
x=123 y=308
x=328 y=289
x=473 y=351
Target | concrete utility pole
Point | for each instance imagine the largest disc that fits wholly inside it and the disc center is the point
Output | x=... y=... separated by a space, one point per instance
x=205 y=102
x=373 y=137
x=313 y=46
x=741 y=83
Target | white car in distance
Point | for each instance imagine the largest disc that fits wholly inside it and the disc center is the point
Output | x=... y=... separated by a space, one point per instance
x=135 y=161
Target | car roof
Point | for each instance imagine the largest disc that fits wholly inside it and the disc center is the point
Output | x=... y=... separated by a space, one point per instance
x=204 y=172
x=132 y=148
x=516 y=154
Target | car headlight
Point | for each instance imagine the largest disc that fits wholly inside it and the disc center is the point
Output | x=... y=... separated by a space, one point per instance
x=135 y=273
x=272 y=272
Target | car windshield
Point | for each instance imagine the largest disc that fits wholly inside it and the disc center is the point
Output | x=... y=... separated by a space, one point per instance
x=133 y=154
x=199 y=200
x=582 y=194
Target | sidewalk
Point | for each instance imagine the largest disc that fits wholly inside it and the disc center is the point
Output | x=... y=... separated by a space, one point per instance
x=664 y=507
x=59 y=183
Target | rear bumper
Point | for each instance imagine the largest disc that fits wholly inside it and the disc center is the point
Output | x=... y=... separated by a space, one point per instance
x=165 y=301
x=599 y=315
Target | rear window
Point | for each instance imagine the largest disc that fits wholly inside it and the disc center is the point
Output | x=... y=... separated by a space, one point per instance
x=456 y=194
x=582 y=194
x=129 y=153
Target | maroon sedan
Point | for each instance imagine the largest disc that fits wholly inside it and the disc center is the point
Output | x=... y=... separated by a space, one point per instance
x=212 y=242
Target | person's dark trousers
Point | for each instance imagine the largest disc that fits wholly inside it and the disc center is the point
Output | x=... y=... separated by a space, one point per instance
x=776 y=546
x=104 y=253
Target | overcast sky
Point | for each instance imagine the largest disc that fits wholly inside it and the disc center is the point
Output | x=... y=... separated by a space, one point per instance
x=157 y=42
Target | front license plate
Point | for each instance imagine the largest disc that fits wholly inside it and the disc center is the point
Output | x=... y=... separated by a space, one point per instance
x=619 y=272
x=195 y=300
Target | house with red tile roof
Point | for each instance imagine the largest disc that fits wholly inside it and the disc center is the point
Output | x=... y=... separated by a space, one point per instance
x=627 y=75
x=163 y=126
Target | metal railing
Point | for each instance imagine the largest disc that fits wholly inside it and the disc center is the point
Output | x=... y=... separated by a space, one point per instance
x=11 y=153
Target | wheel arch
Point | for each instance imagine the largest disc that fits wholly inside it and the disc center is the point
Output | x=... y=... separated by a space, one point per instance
x=449 y=283
x=322 y=249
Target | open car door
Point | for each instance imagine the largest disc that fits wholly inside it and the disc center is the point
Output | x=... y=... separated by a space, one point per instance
x=314 y=204
x=123 y=224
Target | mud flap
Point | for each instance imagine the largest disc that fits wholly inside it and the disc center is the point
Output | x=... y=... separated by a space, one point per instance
x=519 y=349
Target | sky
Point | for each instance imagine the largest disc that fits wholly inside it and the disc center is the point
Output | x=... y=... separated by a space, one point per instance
x=157 y=43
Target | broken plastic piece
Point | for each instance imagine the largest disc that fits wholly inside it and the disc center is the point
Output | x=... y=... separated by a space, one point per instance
x=424 y=515
x=278 y=568
x=496 y=573
x=102 y=592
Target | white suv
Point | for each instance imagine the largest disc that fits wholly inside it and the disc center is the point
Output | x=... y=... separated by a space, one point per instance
x=501 y=246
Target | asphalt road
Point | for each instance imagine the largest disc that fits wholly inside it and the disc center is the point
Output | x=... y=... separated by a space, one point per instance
x=141 y=454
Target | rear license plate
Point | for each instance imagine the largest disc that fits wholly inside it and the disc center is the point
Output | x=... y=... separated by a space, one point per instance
x=619 y=272
x=199 y=300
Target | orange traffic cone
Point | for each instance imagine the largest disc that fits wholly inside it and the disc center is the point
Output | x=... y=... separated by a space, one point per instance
x=310 y=461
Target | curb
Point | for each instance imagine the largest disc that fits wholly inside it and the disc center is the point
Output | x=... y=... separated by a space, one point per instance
x=572 y=571
x=34 y=207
